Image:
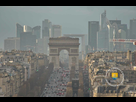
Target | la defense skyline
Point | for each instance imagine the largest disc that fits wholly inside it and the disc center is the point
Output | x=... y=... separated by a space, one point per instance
x=101 y=32
x=98 y=33
x=32 y=38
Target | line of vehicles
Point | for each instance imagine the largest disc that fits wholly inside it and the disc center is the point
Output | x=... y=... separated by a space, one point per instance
x=57 y=83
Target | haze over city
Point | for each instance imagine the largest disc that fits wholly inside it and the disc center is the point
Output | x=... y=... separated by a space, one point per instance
x=73 y=19
x=67 y=51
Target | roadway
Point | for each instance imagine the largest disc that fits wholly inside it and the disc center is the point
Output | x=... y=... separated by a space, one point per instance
x=57 y=84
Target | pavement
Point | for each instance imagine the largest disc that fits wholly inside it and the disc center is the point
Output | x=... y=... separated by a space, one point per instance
x=57 y=83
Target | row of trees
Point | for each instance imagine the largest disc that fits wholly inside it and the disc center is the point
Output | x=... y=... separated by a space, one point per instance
x=34 y=86
x=69 y=91
x=80 y=90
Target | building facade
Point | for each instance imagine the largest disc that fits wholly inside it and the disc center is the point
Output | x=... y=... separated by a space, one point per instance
x=93 y=28
x=115 y=21
x=37 y=31
x=103 y=40
x=27 y=41
x=27 y=28
x=46 y=28
x=56 y=31
x=19 y=30
x=132 y=29
x=12 y=43
x=42 y=45
x=103 y=20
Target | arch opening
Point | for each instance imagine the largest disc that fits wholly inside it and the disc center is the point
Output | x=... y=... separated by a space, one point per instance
x=64 y=58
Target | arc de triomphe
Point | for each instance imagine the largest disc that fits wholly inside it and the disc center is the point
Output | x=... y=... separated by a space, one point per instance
x=64 y=43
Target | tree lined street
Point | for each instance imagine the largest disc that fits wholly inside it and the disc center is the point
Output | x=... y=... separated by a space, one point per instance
x=57 y=83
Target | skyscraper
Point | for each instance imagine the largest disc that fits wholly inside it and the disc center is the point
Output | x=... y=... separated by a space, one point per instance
x=12 y=43
x=93 y=28
x=102 y=35
x=123 y=27
x=37 y=31
x=42 y=45
x=132 y=30
x=56 y=30
x=46 y=28
x=103 y=20
x=50 y=29
x=115 y=21
x=19 y=29
x=103 y=40
x=27 y=41
x=27 y=28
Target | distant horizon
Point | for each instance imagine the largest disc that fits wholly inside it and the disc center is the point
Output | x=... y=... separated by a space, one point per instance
x=73 y=19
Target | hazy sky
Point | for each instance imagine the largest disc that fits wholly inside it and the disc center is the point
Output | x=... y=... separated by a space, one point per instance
x=73 y=19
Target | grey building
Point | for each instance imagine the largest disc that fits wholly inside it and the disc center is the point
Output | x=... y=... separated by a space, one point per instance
x=27 y=28
x=132 y=29
x=93 y=28
x=115 y=21
x=37 y=31
x=56 y=31
x=103 y=40
x=103 y=20
x=124 y=27
x=27 y=41
x=42 y=45
x=19 y=29
x=102 y=35
x=87 y=49
x=46 y=28
x=12 y=43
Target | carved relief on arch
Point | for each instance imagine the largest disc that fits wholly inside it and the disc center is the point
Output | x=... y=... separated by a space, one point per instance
x=53 y=50
x=59 y=49
x=74 y=50
x=74 y=60
x=54 y=60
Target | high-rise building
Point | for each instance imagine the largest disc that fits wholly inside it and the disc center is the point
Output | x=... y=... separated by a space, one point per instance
x=12 y=43
x=56 y=31
x=110 y=33
x=19 y=29
x=27 y=28
x=103 y=20
x=123 y=35
x=37 y=31
x=42 y=45
x=102 y=35
x=87 y=49
x=46 y=28
x=27 y=41
x=103 y=40
x=93 y=28
x=50 y=29
x=132 y=29
x=113 y=34
x=115 y=21
x=128 y=34
x=123 y=27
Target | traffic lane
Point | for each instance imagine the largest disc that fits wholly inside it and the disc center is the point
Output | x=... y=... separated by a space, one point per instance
x=54 y=84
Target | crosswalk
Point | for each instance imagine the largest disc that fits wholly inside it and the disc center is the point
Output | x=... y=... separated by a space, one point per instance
x=57 y=83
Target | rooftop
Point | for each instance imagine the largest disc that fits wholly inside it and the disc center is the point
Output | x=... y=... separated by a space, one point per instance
x=102 y=89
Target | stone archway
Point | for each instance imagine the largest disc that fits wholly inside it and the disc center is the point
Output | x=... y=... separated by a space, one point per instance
x=64 y=43
x=54 y=60
x=73 y=60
